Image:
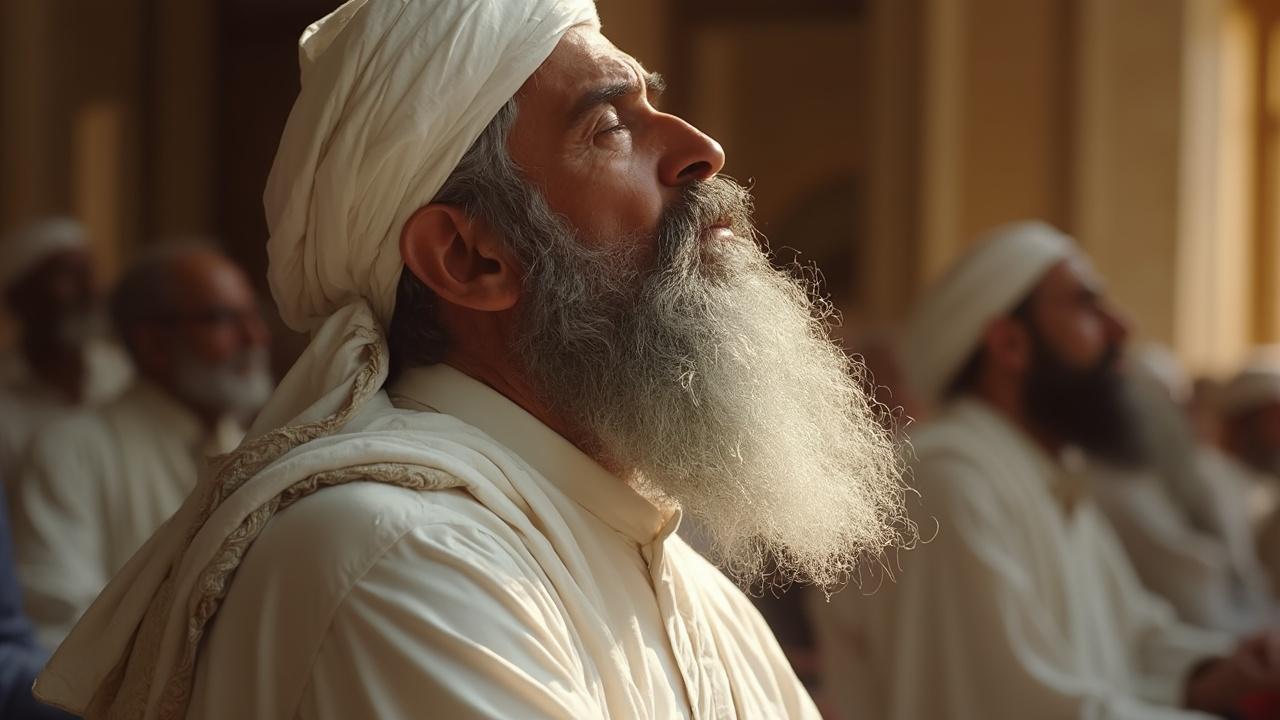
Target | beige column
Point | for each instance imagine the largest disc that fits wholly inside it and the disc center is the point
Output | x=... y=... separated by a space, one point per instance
x=890 y=264
x=1129 y=136
x=943 y=110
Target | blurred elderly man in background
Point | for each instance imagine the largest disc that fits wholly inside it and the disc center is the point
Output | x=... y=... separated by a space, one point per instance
x=1249 y=405
x=60 y=362
x=481 y=199
x=94 y=486
x=1024 y=604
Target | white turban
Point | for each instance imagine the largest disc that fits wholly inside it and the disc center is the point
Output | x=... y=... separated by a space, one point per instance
x=25 y=248
x=948 y=323
x=1256 y=385
x=393 y=94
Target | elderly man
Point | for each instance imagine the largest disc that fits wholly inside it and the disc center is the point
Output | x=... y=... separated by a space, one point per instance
x=1022 y=604
x=94 y=486
x=586 y=344
x=46 y=275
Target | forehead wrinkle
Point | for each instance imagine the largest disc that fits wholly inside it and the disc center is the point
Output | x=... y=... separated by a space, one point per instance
x=616 y=77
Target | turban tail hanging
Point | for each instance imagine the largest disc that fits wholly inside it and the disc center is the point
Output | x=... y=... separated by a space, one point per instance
x=393 y=94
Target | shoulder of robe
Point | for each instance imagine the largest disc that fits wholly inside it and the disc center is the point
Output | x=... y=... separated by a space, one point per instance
x=324 y=542
x=957 y=476
x=702 y=574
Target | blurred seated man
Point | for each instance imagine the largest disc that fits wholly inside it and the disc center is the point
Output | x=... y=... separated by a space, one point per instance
x=1023 y=604
x=1183 y=524
x=60 y=363
x=1250 y=409
x=95 y=485
x=542 y=332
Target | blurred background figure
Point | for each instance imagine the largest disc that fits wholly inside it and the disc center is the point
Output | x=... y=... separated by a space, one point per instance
x=1021 y=600
x=94 y=486
x=1250 y=408
x=61 y=359
x=1183 y=520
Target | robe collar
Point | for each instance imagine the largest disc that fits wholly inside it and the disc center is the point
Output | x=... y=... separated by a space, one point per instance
x=444 y=389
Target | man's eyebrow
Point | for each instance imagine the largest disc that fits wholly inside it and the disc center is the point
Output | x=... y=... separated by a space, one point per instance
x=595 y=97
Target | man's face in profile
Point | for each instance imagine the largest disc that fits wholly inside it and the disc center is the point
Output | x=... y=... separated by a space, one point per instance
x=590 y=137
x=1075 y=387
x=651 y=321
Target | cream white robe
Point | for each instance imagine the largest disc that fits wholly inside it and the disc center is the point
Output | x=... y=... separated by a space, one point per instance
x=540 y=587
x=1247 y=502
x=27 y=403
x=1209 y=582
x=1017 y=608
x=93 y=488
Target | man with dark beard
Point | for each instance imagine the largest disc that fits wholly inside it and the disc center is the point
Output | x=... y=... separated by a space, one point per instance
x=482 y=198
x=1023 y=604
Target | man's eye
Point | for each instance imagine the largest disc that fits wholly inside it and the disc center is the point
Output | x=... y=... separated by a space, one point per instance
x=616 y=128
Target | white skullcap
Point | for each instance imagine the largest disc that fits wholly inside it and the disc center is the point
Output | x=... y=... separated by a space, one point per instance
x=1256 y=385
x=393 y=94
x=989 y=281
x=24 y=249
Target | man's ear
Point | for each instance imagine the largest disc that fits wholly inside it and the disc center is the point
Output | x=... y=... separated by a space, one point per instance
x=460 y=258
x=1008 y=345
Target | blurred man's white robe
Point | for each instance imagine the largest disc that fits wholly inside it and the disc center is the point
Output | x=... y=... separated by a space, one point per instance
x=93 y=488
x=1210 y=581
x=28 y=403
x=529 y=583
x=1022 y=606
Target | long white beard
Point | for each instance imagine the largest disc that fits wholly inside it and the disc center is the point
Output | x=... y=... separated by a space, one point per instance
x=238 y=387
x=711 y=381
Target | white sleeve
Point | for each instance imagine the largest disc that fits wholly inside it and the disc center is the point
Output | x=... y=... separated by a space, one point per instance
x=449 y=624
x=1165 y=649
x=58 y=526
x=1191 y=570
x=970 y=633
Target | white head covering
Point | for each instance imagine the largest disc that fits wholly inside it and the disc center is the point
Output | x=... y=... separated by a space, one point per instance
x=1256 y=385
x=25 y=248
x=393 y=94
x=948 y=322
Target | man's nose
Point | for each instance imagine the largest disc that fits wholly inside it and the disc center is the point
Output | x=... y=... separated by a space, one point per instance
x=691 y=155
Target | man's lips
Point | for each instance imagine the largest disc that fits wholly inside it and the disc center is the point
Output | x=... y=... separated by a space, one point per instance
x=720 y=231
